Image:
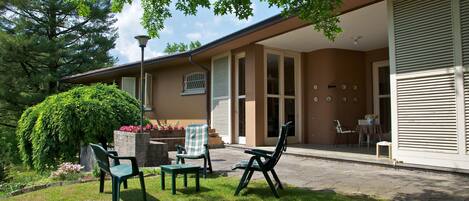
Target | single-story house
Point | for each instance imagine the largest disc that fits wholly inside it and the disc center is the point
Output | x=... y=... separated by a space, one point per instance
x=403 y=60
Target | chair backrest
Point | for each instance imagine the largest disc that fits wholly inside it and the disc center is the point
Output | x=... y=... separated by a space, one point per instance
x=338 y=127
x=281 y=145
x=101 y=157
x=196 y=138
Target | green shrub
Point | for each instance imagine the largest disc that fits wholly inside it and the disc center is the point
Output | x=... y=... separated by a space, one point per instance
x=3 y=172
x=96 y=171
x=51 y=132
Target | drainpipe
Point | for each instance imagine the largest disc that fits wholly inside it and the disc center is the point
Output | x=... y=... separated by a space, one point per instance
x=207 y=87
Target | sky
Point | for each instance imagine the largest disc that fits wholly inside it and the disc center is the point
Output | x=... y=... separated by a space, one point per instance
x=204 y=27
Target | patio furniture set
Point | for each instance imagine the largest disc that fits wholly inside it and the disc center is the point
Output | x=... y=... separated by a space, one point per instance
x=364 y=128
x=196 y=147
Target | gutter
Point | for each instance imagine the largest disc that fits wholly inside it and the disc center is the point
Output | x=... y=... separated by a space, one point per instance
x=207 y=87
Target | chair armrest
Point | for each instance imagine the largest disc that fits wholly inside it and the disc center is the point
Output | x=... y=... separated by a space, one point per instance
x=256 y=153
x=132 y=159
x=180 y=149
x=263 y=151
x=114 y=153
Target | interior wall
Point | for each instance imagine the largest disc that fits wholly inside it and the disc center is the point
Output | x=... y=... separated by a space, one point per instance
x=329 y=69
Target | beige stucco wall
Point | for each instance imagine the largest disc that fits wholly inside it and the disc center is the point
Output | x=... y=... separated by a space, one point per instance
x=328 y=68
x=168 y=103
x=254 y=83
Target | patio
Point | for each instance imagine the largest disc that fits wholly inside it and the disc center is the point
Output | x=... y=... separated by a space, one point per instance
x=353 y=178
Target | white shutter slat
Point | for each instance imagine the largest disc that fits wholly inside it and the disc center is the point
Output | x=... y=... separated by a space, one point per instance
x=220 y=97
x=427 y=120
x=423 y=35
x=148 y=90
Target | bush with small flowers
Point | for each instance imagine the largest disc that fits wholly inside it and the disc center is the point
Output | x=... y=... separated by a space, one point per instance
x=67 y=171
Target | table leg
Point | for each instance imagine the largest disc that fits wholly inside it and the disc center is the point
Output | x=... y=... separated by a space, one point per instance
x=162 y=181
x=368 y=140
x=197 y=181
x=390 y=151
x=377 y=151
x=359 y=139
x=185 y=180
x=173 y=183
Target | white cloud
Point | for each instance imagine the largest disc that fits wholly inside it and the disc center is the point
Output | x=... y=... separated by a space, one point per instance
x=167 y=30
x=128 y=24
x=194 y=36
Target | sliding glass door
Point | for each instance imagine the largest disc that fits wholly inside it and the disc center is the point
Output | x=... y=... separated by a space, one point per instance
x=282 y=94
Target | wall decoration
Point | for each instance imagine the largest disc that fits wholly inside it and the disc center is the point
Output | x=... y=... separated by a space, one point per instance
x=355 y=99
x=343 y=86
x=315 y=87
x=316 y=99
x=329 y=99
x=355 y=87
x=344 y=99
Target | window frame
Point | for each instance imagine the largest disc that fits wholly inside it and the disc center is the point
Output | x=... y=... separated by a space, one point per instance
x=194 y=91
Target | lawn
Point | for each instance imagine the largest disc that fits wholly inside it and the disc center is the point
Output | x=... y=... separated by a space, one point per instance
x=21 y=177
x=212 y=188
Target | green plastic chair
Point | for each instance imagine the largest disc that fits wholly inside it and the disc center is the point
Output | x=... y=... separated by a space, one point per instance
x=119 y=172
x=196 y=146
x=264 y=161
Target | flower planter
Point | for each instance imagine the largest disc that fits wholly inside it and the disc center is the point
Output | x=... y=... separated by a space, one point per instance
x=167 y=133
x=132 y=144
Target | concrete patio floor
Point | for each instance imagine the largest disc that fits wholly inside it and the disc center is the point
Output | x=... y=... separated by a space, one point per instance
x=353 y=178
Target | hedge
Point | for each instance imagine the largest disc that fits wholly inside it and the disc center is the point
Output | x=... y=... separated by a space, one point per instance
x=52 y=131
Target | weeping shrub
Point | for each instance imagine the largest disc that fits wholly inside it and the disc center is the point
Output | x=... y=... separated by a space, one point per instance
x=52 y=131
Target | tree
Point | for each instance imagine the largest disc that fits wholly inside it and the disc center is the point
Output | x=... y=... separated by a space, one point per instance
x=321 y=13
x=52 y=131
x=172 y=48
x=44 y=40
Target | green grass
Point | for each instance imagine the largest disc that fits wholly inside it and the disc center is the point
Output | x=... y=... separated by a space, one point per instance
x=212 y=188
x=20 y=177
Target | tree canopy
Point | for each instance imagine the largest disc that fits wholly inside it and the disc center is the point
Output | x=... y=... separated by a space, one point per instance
x=172 y=48
x=44 y=40
x=53 y=130
x=321 y=13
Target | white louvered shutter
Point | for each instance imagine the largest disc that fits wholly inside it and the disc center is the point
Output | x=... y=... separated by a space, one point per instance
x=464 y=16
x=427 y=113
x=426 y=102
x=128 y=85
x=221 y=98
x=148 y=90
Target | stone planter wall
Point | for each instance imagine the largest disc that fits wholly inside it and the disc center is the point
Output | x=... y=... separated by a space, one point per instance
x=167 y=134
x=138 y=145
x=171 y=138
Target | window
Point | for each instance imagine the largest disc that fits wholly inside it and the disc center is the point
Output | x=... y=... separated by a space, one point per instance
x=148 y=91
x=194 y=83
x=128 y=85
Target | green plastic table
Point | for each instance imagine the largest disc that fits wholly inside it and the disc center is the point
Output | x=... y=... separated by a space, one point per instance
x=176 y=169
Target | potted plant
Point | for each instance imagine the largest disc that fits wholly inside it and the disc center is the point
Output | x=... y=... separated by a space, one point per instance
x=371 y=118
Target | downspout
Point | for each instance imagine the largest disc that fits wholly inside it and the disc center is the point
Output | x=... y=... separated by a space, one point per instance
x=208 y=88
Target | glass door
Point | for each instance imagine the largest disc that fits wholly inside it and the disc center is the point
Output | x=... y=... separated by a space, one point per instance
x=381 y=95
x=240 y=63
x=281 y=93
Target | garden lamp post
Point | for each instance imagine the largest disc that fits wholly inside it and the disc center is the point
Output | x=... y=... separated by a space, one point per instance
x=142 y=42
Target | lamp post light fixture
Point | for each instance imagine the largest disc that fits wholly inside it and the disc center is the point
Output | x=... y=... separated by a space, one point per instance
x=142 y=42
